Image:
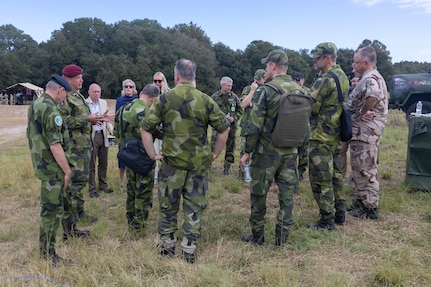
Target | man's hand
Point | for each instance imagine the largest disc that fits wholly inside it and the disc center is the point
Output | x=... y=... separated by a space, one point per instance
x=245 y=160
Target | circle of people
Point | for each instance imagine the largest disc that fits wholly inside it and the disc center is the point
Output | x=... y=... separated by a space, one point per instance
x=69 y=136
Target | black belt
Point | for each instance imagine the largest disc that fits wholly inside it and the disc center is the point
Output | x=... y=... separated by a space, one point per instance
x=98 y=131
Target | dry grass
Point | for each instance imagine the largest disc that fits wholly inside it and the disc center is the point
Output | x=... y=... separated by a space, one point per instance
x=394 y=251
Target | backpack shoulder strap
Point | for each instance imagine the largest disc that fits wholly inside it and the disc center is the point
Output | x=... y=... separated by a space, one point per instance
x=276 y=87
x=337 y=83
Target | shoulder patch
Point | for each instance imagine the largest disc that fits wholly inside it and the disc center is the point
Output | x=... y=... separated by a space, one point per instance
x=368 y=82
x=58 y=121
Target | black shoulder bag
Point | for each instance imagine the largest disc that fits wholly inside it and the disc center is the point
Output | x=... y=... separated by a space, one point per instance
x=346 y=117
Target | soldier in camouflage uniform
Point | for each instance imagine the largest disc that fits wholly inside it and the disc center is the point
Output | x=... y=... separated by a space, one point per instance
x=369 y=105
x=230 y=104
x=79 y=120
x=269 y=162
x=326 y=178
x=185 y=113
x=48 y=139
x=139 y=187
x=246 y=103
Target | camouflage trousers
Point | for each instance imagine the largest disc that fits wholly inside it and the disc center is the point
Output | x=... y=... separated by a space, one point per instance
x=139 y=196
x=326 y=179
x=364 y=171
x=192 y=186
x=55 y=205
x=264 y=168
x=80 y=163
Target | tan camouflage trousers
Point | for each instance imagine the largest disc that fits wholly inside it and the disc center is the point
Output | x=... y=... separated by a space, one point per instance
x=364 y=171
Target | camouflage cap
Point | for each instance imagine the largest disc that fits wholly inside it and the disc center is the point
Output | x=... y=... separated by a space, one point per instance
x=259 y=74
x=277 y=57
x=326 y=48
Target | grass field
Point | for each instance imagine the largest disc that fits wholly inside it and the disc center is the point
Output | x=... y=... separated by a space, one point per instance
x=393 y=251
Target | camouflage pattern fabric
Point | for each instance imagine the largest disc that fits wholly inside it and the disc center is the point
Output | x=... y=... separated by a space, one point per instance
x=46 y=127
x=246 y=111
x=365 y=173
x=228 y=103
x=269 y=162
x=325 y=113
x=139 y=188
x=326 y=178
x=263 y=169
x=192 y=185
x=185 y=113
x=367 y=135
x=75 y=111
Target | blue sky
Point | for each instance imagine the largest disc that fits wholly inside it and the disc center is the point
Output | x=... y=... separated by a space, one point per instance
x=402 y=25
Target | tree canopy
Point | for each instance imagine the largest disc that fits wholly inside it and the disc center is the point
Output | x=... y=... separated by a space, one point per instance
x=110 y=53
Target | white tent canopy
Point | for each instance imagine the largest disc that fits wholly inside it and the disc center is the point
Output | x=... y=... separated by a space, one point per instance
x=36 y=89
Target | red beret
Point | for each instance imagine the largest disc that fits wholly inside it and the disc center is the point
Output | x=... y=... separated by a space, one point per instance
x=71 y=71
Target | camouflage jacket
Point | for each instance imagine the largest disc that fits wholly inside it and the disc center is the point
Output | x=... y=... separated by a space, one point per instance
x=263 y=117
x=246 y=111
x=371 y=84
x=326 y=111
x=45 y=128
x=229 y=103
x=186 y=114
x=75 y=111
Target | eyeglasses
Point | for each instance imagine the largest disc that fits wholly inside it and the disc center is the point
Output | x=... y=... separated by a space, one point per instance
x=129 y=87
x=157 y=81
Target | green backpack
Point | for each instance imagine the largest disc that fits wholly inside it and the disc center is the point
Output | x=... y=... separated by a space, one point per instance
x=293 y=117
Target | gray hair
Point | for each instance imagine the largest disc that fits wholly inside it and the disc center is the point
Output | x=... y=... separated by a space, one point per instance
x=186 y=69
x=368 y=53
x=151 y=90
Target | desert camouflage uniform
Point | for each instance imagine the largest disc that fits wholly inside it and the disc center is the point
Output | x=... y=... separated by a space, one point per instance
x=139 y=187
x=75 y=113
x=229 y=104
x=326 y=178
x=367 y=135
x=45 y=128
x=185 y=113
x=269 y=162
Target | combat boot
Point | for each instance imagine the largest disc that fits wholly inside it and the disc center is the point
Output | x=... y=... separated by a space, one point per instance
x=255 y=239
x=322 y=225
x=188 y=250
x=340 y=212
x=366 y=213
x=53 y=257
x=70 y=230
x=167 y=246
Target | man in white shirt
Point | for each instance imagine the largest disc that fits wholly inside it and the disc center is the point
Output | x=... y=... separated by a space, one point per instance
x=99 y=136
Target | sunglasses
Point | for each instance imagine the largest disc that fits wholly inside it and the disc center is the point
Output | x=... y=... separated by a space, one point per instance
x=157 y=81
x=129 y=87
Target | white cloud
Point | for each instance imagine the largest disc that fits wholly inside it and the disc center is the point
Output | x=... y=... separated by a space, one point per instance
x=368 y=3
x=424 y=5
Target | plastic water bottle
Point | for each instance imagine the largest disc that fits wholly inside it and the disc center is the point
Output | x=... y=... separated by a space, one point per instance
x=419 y=108
x=247 y=176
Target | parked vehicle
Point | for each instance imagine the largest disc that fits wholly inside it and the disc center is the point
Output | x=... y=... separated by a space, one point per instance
x=407 y=89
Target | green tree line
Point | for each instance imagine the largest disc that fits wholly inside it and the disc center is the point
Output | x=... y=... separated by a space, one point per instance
x=110 y=53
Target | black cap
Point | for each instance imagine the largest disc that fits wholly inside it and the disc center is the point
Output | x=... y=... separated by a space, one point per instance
x=62 y=82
